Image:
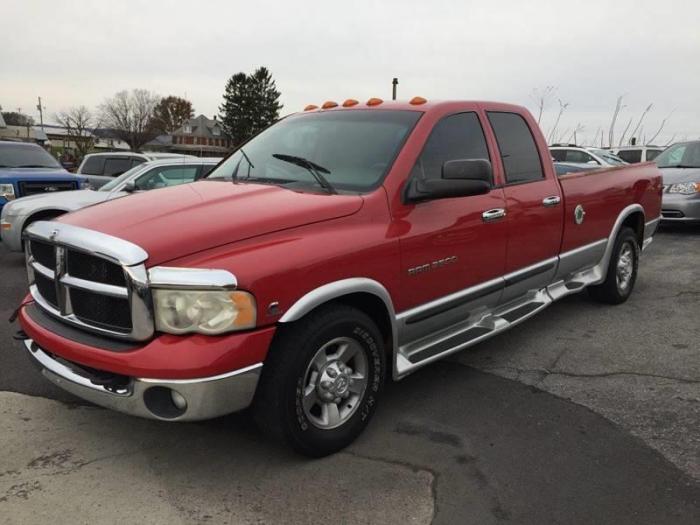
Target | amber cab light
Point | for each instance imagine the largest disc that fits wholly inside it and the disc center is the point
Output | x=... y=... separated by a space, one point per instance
x=417 y=101
x=329 y=104
x=374 y=101
x=310 y=107
x=350 y=102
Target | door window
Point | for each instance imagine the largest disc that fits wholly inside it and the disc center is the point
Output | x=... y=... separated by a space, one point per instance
x=456 y=137
x=630 y=155
x=93 y=166
x=519 y=153
x=652 y=154
x=116 y=166
x=166 y=176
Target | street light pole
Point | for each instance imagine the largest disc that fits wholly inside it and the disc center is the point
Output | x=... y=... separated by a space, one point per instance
x=394 y=83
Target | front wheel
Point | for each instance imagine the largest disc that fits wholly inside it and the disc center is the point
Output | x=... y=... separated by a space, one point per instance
x=622 y=270
x=322 y=380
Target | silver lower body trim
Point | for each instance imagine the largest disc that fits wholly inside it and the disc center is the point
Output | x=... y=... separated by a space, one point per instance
x=204 y=398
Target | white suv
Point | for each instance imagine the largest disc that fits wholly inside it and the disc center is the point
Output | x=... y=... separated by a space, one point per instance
x=581 y=155
x=100 y=168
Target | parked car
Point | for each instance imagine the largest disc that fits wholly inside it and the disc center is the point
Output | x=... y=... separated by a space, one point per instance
x=19 y=214
x=633 y=154
x=562 y=168
x=101 y=168
x=580 y=155
x=680 y=167
x=338 y=248
x=27 y=169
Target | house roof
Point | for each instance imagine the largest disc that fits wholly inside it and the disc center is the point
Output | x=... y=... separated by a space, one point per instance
x=201 y=127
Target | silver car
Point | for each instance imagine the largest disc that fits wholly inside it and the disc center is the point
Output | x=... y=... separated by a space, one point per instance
x=18 y=214
x=680 y=167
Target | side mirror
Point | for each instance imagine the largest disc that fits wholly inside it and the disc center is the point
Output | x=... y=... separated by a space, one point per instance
x=130 y=186
x=593 y=162
x=460 y=178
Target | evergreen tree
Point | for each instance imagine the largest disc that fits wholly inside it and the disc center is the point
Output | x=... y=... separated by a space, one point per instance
x=251 y=103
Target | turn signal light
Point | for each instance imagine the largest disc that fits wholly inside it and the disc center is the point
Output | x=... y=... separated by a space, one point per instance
x=374 y=101
x=310 y=107
x=416 y=101
x=329 y=104
x=350 y=102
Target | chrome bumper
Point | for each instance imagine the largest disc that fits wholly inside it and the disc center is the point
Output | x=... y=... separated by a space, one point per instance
x=195 y=399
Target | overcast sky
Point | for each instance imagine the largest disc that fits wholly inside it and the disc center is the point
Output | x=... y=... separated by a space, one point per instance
x=72 y=53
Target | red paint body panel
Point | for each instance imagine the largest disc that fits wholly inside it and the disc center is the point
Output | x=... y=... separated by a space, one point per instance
x=165 y=357
x=282 y=244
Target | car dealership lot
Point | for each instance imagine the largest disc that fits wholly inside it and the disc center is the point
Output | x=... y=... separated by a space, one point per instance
x=618 y=442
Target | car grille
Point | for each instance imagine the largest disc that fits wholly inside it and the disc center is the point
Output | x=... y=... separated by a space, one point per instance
x=35 y=187
x=87 y=289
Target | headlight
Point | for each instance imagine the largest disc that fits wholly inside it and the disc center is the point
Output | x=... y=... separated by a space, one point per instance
x=7 y=191
x=85 y=185
x=685 y=188
x=204 y=311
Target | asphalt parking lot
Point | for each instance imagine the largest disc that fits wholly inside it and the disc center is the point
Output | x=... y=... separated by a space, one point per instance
x=584 y=414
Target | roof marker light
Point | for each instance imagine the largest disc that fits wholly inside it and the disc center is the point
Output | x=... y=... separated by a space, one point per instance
x=350 y=103
x=416 y=101
x=310 y=107
x=374 y=101
x=329 y=104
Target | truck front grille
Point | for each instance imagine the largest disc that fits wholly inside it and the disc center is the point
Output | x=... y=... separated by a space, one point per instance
x=85 y=283
x=35 y=187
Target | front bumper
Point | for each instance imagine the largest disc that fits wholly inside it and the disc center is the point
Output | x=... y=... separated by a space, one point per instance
x=680 y=208
x=11 y=231
x=172 y=400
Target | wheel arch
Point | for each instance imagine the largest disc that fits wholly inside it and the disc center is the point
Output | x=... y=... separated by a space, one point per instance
x=42 y=215
x=632 y=216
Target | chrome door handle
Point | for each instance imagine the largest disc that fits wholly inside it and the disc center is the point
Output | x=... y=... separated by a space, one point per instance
x=551 y=201
x=494 y=214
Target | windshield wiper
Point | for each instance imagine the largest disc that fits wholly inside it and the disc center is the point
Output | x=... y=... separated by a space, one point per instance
x=234 y=176
x=312 y=168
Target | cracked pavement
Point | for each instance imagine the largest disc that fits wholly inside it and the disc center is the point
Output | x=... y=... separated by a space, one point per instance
x=583 y=414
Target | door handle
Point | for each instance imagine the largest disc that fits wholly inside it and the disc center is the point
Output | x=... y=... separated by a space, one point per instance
x=551 y=201
x=493 y=215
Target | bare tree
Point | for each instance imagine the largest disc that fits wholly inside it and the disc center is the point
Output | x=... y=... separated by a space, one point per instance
x=670 y=141
x=131 y=116
x=627 y=127
x=578 y=128
x=541 y=96
x=663 y=123
x=638 y=128
x=80 y=124
x=562 y=108
x=611 y=130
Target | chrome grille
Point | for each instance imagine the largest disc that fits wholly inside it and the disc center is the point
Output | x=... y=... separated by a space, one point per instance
x=89 y=279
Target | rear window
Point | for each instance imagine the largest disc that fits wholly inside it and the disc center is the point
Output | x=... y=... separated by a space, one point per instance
x=630 y=155
x=653 y=153
x=93 y=166
x=519 y=154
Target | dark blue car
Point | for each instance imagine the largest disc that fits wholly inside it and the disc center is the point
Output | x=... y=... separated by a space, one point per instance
x=27 y=169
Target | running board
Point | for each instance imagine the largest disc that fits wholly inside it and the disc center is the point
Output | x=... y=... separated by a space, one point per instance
x=462 y=335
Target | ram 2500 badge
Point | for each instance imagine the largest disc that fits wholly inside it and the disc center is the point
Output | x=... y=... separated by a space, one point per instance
x=343 y=246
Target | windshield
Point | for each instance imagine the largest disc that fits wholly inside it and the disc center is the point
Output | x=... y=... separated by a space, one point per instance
x=682 y=155
x=354 y=150
x=24 y=156
x=124 y=176
x=608 y=157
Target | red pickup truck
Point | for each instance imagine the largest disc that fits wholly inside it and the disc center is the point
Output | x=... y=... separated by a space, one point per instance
x=342 y=246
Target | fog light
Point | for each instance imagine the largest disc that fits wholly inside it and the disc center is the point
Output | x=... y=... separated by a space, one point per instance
x=179 y=401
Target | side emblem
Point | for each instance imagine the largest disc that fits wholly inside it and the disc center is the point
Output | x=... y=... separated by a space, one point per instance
x=579 y=214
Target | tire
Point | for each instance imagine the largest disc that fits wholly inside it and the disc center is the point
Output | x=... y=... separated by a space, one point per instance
x=334 y=356
x=622 y=270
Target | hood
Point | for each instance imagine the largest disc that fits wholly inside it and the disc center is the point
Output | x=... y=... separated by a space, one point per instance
x=38 y=173
x=677 y=175
x=60 y=200
x=174 y=222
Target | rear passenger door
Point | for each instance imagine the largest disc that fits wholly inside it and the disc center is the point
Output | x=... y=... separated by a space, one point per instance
x=533 y=205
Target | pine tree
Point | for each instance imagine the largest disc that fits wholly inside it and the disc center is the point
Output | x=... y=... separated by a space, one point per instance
x=251 y=103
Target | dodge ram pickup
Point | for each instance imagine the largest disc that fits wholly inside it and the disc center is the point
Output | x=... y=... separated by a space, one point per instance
x=343 y=246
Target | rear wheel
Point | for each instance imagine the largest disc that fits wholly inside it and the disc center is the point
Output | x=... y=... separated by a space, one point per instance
x=322 y=380
x=622 y=270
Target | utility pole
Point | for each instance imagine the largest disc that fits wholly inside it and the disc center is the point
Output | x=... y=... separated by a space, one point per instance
x=41 y=113
x=394 y=83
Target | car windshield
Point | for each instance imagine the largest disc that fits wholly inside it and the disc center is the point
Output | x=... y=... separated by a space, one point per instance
x=124 y=176
x=608 y=157
x=26 y=156
x=352 y=149
x=682 y=155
